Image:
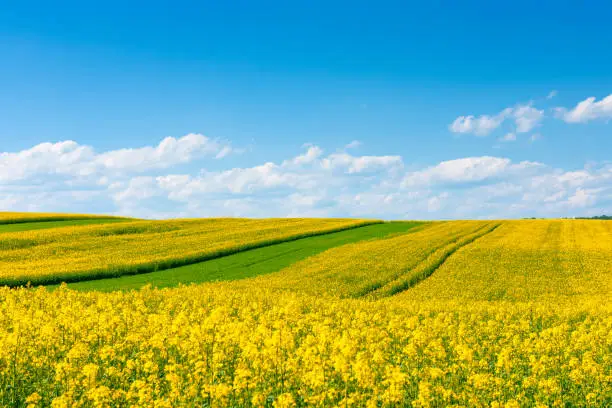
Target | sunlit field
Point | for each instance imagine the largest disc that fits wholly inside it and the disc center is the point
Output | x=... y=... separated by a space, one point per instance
x=80 y=253
x=17 y=218
x=458 y=313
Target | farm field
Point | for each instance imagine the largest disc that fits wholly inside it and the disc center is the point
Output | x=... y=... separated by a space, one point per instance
x=80 y=253
x=250 y=263
x=378 y=266
x=39 y=225
x=457 y=313
x=17 y=218
x=524 y=261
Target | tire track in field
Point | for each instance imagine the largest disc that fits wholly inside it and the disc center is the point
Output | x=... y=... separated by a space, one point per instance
x=429 y=265
x=371 y=289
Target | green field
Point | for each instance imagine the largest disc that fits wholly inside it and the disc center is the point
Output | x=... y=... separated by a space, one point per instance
x=80 y=253
x=249 y=263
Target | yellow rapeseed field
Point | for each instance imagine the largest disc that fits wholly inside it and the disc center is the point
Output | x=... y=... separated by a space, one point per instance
x=542 y=260
x=362 y=268
x=78 y=253
x=16 y=217
x=210 y=345
x=500 y=314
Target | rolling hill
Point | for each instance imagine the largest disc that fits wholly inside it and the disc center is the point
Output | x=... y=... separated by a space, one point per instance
x=300 y=312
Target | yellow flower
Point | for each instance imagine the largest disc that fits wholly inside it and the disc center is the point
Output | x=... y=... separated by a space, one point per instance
x=33 y=400
x=284 y=401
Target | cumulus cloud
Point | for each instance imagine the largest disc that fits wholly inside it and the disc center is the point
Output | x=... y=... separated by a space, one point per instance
x=137 y=189
x=312 y=183
x=435 y=203
x=466 y=170
x=313 y=153
x=168 y=152
x=69 y=158
x=307 y=171
x=360 y=164
x=60 y=158
x=508 y=137
x=481 y=125
x=583 y=198
x=587 y=110
x=525 y=118
x=305 y=185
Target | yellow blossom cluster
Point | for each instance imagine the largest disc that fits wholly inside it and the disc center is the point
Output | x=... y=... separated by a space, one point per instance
x=80 y=253
x=210 y=345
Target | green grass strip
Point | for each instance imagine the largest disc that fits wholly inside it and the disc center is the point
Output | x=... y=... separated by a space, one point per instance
x=249 y=263
x=153 y=266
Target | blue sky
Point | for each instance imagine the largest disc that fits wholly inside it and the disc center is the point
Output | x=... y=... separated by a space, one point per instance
x=386 y=109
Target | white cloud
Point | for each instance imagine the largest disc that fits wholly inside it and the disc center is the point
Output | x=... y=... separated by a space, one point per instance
x=225 y=150
x=271 y=190
x=313 y=183
x=554 y=197
x=575 y=178
x=313 y=153
x=353 y=164
x=469 y=169
x=525 y=118
x=582 y=198
x=169 y=152
x=303 y=172
x=508 y=137
x=353 y=145
x=435 y=203
x=587 y=110
x=61 y=158
x=138 y=188
x=481 y=125
x=70 y=159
